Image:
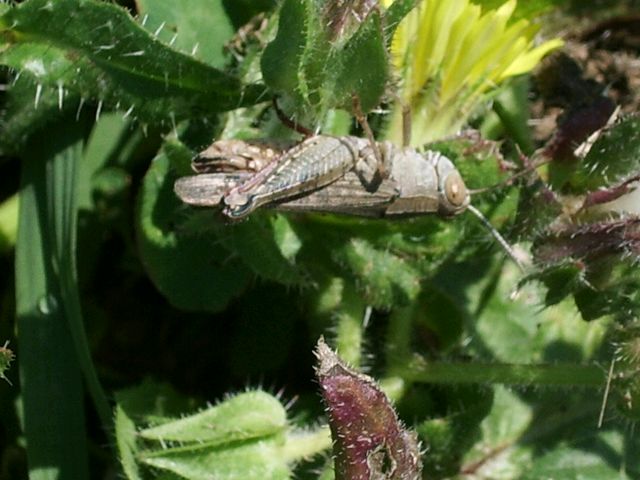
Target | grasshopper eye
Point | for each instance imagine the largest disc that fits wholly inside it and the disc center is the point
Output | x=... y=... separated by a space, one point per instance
x=455 y=191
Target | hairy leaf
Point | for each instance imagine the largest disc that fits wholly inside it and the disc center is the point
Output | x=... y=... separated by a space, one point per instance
x=115 y=61
x=194 y=271
x=319 y=63
x=199 y=28
x=614 y=157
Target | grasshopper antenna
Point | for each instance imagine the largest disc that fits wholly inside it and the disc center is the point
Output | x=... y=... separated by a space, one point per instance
x=499 y=238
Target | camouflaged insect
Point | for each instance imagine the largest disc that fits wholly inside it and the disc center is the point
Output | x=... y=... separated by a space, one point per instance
x=324 y=174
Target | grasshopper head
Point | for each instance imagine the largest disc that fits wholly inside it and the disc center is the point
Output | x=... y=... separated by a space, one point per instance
x=453 y=193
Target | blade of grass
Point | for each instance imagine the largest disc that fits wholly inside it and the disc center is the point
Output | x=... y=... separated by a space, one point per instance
x=52 y=344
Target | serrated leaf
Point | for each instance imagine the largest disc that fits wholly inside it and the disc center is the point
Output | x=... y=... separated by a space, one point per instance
x=561 y=280
x=614 y=157
x=135 y=69
x=245 y=416
x=518 y=439
x=594 y=262
x=194 y=272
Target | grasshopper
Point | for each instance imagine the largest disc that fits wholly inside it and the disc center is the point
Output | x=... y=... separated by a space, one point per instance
x=324 y=174
x=345 y=175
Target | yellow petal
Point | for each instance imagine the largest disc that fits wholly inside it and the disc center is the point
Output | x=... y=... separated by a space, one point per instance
x=530 y=59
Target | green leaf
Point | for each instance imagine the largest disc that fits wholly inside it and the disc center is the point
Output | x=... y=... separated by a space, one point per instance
x=45 y=303
x=286 y=238
x=561 y=280
x=384 y=278
x=255 y=244
x=511 y=107
x=362 y=67
x=614 y=157
x=242 y=11
x=241 y=437
x=281 y=59
x=115 y=61
x=245 y=416
x=126 y=437
x=519 y=441
x=147 y=400
x=316 y=71
x=104 y=143
x=30 y=104
x=193 y=271
x=450 y=435
x=199 y=28
x=574 y=463
x=505 y=423
x=515 y=327
x=254 y=460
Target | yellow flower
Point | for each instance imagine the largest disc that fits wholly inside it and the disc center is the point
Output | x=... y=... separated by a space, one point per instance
x=449 y=55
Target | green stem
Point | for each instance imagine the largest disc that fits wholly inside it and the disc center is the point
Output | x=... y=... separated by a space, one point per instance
x=398 y=352
x=304 y=444
x=550 y=375
x=349 y=328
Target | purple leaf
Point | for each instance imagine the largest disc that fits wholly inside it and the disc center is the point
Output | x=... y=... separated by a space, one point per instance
x=590 y=241
x=369 y=441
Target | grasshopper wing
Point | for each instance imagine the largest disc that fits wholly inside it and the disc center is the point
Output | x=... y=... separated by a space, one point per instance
x=208 y=189
x=347 y=196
